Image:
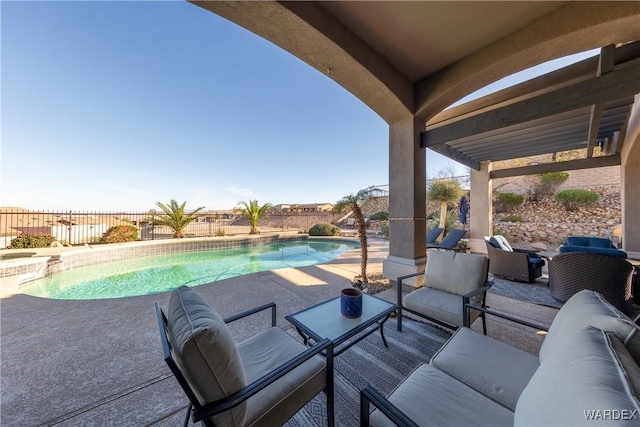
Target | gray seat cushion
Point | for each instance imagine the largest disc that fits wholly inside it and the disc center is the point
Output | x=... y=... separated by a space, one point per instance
x=439 y=305
x=277 y=403
x=204 y=350
x=505 y=371
x=590 y=308
x=588 y=374
x=432 y=398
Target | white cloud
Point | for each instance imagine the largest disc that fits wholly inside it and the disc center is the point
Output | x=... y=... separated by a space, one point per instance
x=246 y=193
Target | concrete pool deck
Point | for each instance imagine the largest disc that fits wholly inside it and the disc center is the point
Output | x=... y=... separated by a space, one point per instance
x=99 y=362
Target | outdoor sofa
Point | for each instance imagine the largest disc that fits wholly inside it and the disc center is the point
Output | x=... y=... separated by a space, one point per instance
x=586 y=373
x=596 y=245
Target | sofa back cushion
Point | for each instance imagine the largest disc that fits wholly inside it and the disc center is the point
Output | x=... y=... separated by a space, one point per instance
x=589 y=308
x=577 y=241
x=456 y=273
x=589 y=377
x=599 y=242
x=206 y=353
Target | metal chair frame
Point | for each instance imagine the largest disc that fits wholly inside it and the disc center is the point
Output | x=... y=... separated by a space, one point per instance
x=203 y=412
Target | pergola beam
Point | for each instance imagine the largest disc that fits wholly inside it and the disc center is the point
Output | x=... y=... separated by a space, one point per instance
x=606 y=64
x=594 y=162
x=610 y=86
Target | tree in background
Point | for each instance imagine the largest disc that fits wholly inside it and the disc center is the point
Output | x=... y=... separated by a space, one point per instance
x=445 y=191
x=353 y=202
x=252 y=211
x=175 y=217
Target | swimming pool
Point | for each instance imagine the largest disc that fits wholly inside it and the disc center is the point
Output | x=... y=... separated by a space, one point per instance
x=160 y=273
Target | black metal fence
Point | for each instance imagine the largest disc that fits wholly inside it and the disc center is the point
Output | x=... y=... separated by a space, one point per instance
x=77 y=228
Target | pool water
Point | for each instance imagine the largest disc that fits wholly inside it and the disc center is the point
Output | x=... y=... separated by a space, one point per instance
x=160 y=273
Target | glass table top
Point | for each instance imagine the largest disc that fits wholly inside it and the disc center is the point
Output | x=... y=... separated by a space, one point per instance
x=325 y=320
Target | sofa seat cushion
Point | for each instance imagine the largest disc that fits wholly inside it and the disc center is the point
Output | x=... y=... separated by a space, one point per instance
x=582 y=381
x=206 y=353
x=589 y=308
x=491 y=367
x=536 y=262
x=439 y=305
x=262 y=354
x=432 y=398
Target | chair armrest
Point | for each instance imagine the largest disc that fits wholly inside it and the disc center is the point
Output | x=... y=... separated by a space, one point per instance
x=475 y=292
x=506 y=317
x=371 y=395
x=255 y=310
x=400 y=279
x=249 y=390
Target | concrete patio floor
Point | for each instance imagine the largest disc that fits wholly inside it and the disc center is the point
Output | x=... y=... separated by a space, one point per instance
x=99 y=362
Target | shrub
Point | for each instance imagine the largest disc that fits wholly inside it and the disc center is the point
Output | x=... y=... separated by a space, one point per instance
x=546 y=184
x=512 y=218
x=450 y=222
x=385 y=230
x=324 y=229
x=380 y=216
x=120 y=234
x=26 y=240
x=573 y=199
x=507 y=201
x=220 y=232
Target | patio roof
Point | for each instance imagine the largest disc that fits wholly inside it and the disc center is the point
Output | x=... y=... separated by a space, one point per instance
x=580 y=106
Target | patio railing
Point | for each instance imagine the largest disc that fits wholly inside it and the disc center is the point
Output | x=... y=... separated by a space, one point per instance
x=76 y=228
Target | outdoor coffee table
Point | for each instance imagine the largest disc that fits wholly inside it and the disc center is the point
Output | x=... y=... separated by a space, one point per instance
x=325 y=321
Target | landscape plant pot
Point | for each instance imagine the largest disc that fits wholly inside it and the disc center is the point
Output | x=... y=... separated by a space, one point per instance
x=351 y=303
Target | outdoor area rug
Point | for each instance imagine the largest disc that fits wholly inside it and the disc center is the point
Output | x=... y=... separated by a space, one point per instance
x=534 y=293
x=370 y=362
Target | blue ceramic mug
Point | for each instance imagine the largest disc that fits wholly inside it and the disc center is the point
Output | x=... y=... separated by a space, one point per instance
x=351 y=303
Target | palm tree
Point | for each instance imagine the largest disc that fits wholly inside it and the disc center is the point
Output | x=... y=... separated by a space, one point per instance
x=353 y=202
x=443 y=191
x=175 y=218
x=253 y=212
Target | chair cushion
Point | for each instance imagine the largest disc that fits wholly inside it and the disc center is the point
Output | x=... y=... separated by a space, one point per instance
x=205 y=352
x=587 y=374
x=505 y=372
x=599 y=242
x=430 y=397
x=577 y=241
x=589 y=308
x=274 y=405
x=439 y=305
x=499 y=242
x=456 y=273
x=536 y=262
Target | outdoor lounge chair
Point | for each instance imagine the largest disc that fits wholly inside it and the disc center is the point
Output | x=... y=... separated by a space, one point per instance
x=520 y=265
x=351 y=222
x=450 y=241
x=611 y=276
x=262 y=381
x=433 y=235
x=451 y=280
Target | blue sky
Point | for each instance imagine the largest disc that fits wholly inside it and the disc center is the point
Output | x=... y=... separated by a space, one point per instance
x=118 y=105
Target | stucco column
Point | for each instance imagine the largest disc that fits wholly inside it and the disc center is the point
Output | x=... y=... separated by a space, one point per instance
x=629 y=188
x=407 y=198
x=481 y=202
